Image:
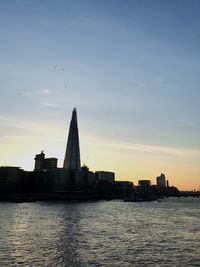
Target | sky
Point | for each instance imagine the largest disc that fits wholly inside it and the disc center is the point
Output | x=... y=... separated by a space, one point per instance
x=131 y=68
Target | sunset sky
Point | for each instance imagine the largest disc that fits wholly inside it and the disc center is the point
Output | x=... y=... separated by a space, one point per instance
x=130 y=67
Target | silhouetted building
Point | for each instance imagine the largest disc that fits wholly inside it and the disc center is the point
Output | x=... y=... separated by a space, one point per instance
x=121 y=189
x=72 y=155
x=73 y=182
x=44 y=163
x=161 y=180
x=57 y=180
x=10 y=180
x=91 y=183
x=47 y=181
x=144 y=184
x=106 y=176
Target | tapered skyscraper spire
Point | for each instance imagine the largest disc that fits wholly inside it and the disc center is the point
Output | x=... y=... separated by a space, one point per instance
x=72 y=155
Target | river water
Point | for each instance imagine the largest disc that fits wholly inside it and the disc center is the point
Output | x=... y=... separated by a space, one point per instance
x=104 y=233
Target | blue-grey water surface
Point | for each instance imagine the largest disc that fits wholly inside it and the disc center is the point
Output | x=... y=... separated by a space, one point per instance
x=104 y=233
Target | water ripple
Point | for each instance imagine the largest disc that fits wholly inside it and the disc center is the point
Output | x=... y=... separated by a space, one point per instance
x=102 y=234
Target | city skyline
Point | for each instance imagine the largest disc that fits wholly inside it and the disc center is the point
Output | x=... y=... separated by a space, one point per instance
x=131 y=69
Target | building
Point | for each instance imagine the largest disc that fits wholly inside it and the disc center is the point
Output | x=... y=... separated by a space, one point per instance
x=144 y=184
x=161 y=181
x=72 y=156
x=57 y=181
x=42 y=163
x=122 y=189
x=106 y=176
x=10 y=180
x=91 y=182
x=47 y=181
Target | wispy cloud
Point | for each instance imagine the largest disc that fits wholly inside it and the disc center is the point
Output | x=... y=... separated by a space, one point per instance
x=148 y=148
x=137 y=82
x=103 y=104
x=31 y=127
x=11 y=122
x=40 y=92
x=51 y=105
x=159 y=80
x=187 y=123
x=151 y=149
x=39 y=95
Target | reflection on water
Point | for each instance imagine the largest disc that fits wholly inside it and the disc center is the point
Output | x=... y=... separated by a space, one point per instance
x=102 y=233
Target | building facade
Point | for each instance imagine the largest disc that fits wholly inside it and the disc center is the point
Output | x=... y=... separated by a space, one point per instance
x=161 y=181
x=106 y=176
x=42 y=163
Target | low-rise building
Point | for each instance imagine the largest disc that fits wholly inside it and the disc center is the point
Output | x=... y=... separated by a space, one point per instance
x=42 y=163
x=122 y=189
x=144 y=184
x=106 y=176
x=10 y=180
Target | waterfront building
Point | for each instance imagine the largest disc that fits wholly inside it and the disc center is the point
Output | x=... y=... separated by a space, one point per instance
x=106 y=176
x=161 y=181
x=121 y=189
x=144 y=184
x=44 y=163
x=72 y=156
x=57 y=180
x=91 y=182
x=47 y=181
x=10 y=180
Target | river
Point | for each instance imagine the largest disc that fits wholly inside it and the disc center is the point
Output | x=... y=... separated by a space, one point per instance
x=104 y=233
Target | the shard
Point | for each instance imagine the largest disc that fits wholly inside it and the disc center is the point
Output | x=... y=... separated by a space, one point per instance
x=72 y=155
